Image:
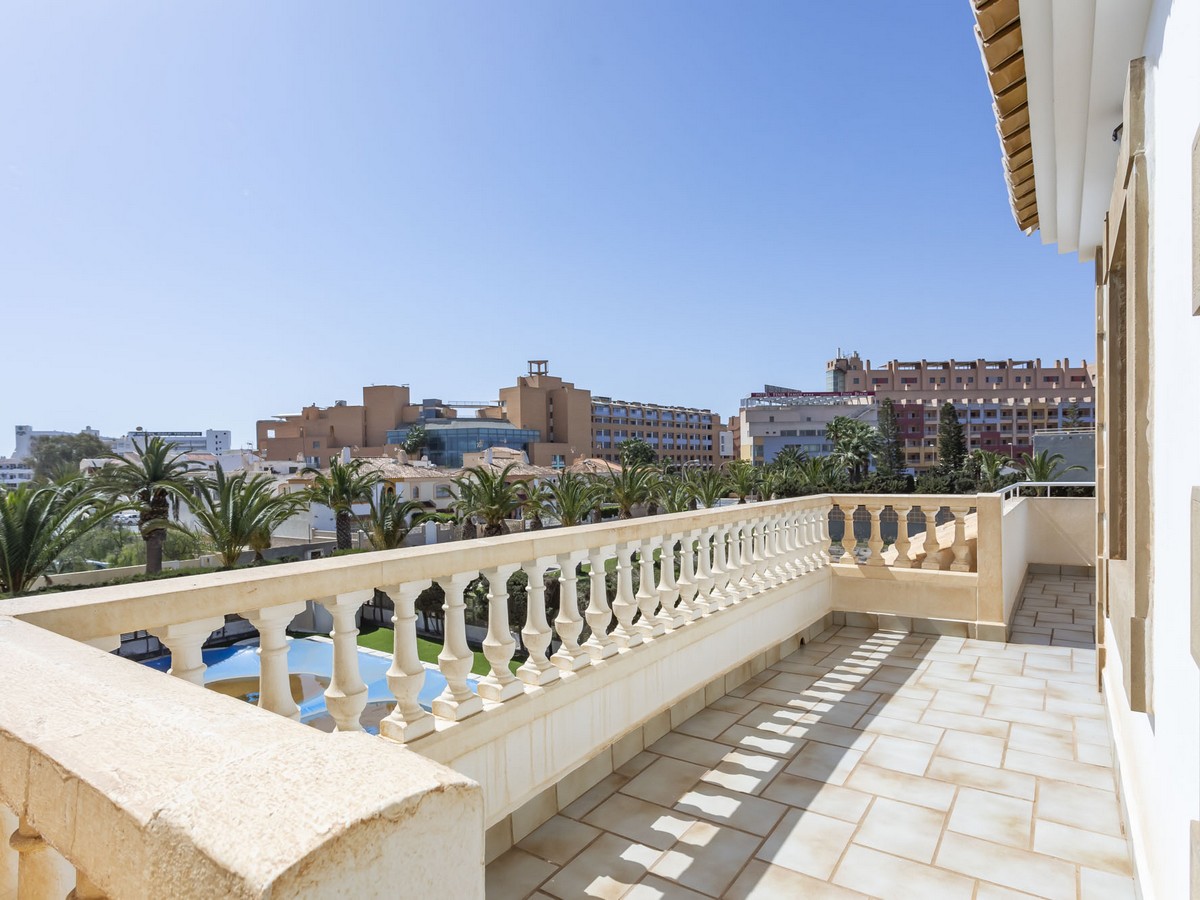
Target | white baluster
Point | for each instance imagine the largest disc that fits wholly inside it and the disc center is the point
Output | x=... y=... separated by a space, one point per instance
x=931 y=558
x=824 y=556
x=536 y=633
x=650 y=624
x=875 y=537
x=717 y=596
x=457 y=701
x=758 y=553
x=962 y=562
x=704 y=601
x=346 y=696
x=498 y=646
x=406 y=676
x=600 y=644
x=903 y=542
x=668 y=589
x=274 y=684
x=745 y=584
x=85 y=889
x=777 y=571
x=624 y=606
x=687 y=583
x=41 y=871
x=568 y=623
x=849 y=541
x=186 y=640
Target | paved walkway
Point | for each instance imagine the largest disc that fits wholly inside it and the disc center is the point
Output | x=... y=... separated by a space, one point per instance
x=867 y=764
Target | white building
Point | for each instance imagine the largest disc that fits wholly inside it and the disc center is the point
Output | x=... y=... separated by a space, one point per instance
x=13 y=472
x=210 y=441
x=777 y=417
x=25 y=437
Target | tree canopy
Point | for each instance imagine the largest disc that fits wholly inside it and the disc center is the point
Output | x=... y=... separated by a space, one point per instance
x=54 y=456
x=636 y=452
x=951 y=444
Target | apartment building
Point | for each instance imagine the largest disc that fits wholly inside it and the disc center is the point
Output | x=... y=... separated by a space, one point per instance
x=316 y=434
x=777 y=417
x=1001 y=403
x=209 y=441
x=557 y=410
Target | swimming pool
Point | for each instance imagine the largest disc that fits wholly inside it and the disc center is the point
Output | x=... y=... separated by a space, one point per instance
x=234 y=671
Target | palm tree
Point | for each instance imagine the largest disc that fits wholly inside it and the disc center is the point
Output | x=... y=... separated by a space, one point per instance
x=816 y=471
x=487 y=494
x=1043 y=467
x=708 y=486
x=391 y=519
x=789 y=456
x=632 y=486
x=153 y=478
x=538 y=503
x=769 y=482
x=743 y=479
x=854 y=443
x=674 y=494
x=39 y=522
x=236 y=511
x=345 y=485
x=991 y=468
x=574 y=498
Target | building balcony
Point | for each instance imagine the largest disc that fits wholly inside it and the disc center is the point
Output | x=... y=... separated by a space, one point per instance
x=860 y=695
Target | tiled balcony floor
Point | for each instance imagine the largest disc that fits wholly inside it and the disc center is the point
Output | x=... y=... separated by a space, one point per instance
x=867 y=764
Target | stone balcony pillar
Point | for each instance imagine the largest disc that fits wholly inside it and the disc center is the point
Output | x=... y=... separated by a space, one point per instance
x=568 y=623
x=274 y=683
x=498 y=646
x=599 y=645
x=186 y=640
x=457 y=701
x=346 y=696
x=624 y=605
x=406 y=675
x=536 y=634
x=650 y=624
x=903 y=542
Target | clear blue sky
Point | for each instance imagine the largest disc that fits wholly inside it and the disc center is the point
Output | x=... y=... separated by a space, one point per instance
x=212 y=212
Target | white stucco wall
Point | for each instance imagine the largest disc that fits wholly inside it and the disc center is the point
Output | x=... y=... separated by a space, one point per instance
x=1160 y=753
x=1052 y=530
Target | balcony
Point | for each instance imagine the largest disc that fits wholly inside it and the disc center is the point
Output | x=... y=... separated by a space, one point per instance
x=813 y=688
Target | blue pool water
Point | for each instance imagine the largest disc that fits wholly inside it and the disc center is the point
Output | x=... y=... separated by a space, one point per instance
x=311 y=658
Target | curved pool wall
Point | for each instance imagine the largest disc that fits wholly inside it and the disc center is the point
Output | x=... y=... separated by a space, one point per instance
x=308 y=656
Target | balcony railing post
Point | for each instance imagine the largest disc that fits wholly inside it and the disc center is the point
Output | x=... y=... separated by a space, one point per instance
x=668 y=587
x=932 y=550
x=536 y=633
x=686 y=584
x=718 y=594
x=745 y=583
x=624 y=606
x=568 y=623
x=651 y=624
x=274 y=683
x=186 y=640
x=406 y=675
x=346 y=696
x=735 y=564
x=599 y=645
x=875 y=538
x=849 y=542
x=85 y=889
x=40 y=871
x=903 y=542
x=960 y=549
x=823 y=555
x=705 y=601
x=457 y=701
x=758 y=530
x=498 y=645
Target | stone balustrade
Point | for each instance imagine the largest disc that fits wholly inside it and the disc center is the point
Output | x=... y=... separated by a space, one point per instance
x=927 y=531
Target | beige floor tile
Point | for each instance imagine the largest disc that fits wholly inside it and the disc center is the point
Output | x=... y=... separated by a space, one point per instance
x=1040 y=717
x=762 y=881
x=840 y=713
x=752 y=814
x=968 y=704
x=707 y=858
x=911 y=757
x=896 y=708
x=1046 y=741
x=594 y=796
x=637 y=764
x=824 y=762
x=987 y=891
x=665 y=781
x=744 y=771
x=754 y=740
x=882 y=875
x=515 y=875
x=1011 y=696
x=960 y=722
x=654 y=888
x=986 y=778
x=1093 y=754
x=772 y=719
x=708 y=723
x=993 y=817
x=817 y=796
x=1083 y=807
x=1007 y=665
x=646 y=823
x=690 y=749
x=1097 y=851
x=732 y=704
x=833 y=734
x=900 y=786
x=608 y=868
x=1094 y=885
x=787 y=681
x=913 y=731
x=807 y=842
x=1030 y=872
x=558 y=839
x=901 y=829
x=1058 y=769
x=973 y=748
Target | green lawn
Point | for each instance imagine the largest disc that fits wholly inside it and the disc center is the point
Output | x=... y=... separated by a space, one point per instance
x=381 y=639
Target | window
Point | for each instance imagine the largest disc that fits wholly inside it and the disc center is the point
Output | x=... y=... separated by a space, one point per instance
x=442 y=492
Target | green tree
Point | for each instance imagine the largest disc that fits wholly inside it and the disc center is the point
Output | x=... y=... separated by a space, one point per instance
x=38 y=523
x=890 y=459
x=56 y=456
x=482 y=492
x=636 y=452
x=673 y=493
x=1073 y=416
x=854 y=443
x=951 y=444
x=391 y=519
x=150 y=480
x=1043 y=467
x=743 y=479
x=415 y=441
x=632 y=486
x=708 y=486
x=343 y=486
x=236 y=511
x=538 y=504
x=789 y=456
x=991 y=469
x=574 y=498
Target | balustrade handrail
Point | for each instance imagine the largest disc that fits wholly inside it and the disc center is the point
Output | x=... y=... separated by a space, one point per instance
x=120 y=609
x=1007 y=493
